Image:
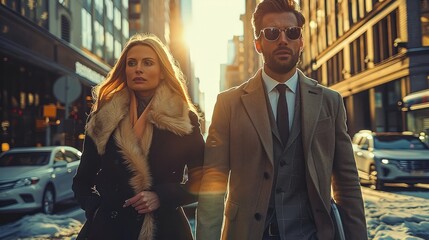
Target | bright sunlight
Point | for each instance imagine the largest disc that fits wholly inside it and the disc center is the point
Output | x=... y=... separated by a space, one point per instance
x=214 y=22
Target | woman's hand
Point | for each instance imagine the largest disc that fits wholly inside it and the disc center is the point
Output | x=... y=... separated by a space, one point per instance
x=143 y=202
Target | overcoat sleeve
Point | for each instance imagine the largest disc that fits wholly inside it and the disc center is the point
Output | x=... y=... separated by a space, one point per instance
x=85 y=178
x=216 y=170
x=182 y=193
x=345 y=181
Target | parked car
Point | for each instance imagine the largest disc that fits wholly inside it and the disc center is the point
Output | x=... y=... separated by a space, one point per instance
x=36 y=178
x=390 y=158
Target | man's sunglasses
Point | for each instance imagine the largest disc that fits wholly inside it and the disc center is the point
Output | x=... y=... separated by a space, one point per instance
x=273 y=33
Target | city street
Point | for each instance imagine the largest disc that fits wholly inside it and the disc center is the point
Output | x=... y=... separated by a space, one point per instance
x=396 y=213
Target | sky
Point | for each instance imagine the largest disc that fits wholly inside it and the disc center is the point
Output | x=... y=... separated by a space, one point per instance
x=389 y=217
x=214 y=22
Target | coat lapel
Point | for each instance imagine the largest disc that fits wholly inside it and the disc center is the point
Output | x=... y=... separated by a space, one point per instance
x=311 y=104
x=256 y=106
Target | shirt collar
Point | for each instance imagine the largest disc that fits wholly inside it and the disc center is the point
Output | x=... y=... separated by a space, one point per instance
x=270 y=83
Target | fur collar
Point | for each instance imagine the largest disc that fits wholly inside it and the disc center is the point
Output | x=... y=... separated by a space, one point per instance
x=167 y=111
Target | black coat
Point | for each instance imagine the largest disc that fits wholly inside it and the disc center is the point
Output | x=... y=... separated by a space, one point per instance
x=106 y=165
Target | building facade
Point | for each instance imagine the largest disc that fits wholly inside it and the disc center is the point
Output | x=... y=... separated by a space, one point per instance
x=376 y=54
x=52 y=53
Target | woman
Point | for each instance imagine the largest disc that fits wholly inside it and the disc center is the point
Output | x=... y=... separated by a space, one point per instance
x=143 y=149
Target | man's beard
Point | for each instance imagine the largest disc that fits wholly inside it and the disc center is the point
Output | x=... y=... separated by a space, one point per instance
x=281 y=67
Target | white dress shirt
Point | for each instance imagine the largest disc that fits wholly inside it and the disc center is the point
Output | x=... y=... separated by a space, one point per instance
x=273 y=94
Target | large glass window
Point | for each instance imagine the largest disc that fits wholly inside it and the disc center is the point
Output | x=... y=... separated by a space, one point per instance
x=125 y=28
x=118 y=49
x=385 y=33
x=99 y=39
x=109 y=48
x=335 y=68
x=109 y=10
x=358 y=53
x=86 y=29
x=99 y=6
x=117 y=20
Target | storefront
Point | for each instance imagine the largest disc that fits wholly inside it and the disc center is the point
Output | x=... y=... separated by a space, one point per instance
x=45 y=85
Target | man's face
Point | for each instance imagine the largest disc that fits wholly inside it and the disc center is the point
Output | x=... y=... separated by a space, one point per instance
x=282 y=54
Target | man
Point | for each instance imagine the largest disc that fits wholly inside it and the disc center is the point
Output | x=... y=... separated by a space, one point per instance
x=273 y=155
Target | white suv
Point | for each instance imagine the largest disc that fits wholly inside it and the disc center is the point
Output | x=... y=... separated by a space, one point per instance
x=390 y=157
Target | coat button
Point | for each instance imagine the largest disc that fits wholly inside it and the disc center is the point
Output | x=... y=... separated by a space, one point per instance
x=258 y=216
x=279 y=190
x=266 y=175
x=113 y=214
x=282 y=163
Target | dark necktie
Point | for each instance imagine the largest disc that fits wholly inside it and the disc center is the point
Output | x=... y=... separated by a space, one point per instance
x=282 y=114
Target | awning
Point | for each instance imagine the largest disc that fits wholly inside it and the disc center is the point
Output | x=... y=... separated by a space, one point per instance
x=415 y=101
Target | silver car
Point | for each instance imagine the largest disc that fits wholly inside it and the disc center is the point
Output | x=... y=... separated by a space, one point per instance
x=390 y=158
x=36 y=178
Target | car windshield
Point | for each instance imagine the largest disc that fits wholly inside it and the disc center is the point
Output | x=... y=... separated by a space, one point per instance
x=24 y=159
x=399 y=142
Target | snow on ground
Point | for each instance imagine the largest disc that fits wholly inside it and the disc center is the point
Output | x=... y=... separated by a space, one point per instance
x=389 y=217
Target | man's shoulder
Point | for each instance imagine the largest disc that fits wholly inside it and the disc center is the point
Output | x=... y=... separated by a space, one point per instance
x=234 y=91
x=314 y=83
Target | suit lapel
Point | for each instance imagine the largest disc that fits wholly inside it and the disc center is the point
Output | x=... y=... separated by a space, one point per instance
x=311 y=103
x=255 y=104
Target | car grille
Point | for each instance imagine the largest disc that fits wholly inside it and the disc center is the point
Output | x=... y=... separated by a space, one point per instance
x=412 y=165
x=7 y=185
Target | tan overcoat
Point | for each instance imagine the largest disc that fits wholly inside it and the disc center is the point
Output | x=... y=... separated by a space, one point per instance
x=238 y=171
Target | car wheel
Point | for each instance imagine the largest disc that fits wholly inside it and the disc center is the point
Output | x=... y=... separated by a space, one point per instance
x=48 y=201
x=374 y=181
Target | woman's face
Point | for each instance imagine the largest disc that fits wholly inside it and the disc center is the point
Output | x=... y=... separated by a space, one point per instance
x=143 y=70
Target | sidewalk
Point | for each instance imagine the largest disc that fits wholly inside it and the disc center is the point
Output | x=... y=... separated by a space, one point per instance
x=392 y=216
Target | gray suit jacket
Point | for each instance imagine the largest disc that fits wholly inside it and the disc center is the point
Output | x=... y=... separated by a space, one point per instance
x=238 y=172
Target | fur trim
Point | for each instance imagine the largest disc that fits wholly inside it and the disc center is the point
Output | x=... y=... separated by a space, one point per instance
x=167 y=111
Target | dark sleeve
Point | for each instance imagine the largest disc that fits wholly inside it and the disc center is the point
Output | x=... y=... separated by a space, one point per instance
x=179 y=194
x=84 y=180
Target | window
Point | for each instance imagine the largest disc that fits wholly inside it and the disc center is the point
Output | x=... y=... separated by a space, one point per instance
x=335 y=67
x=109 y=48
x=86 y=29
x=118 y=49
x=385 y=33
x=358 y=53
x=99 y=6
x=99 y=39
x=125 y=28
x=117 y=19
x=59 y=156
x=65 y=28
x=71 y=157
x=109 y=10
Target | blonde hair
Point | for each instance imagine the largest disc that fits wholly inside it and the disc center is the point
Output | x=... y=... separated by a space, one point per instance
x=116 y=79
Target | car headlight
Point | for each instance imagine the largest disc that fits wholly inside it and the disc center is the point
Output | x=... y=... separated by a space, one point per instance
x=26 y=182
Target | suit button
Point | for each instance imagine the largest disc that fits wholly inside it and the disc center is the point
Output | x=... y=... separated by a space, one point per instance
x=258 y=216
x=266 y=175
x=279 y=190
x=113 y=214
x=282 y=163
